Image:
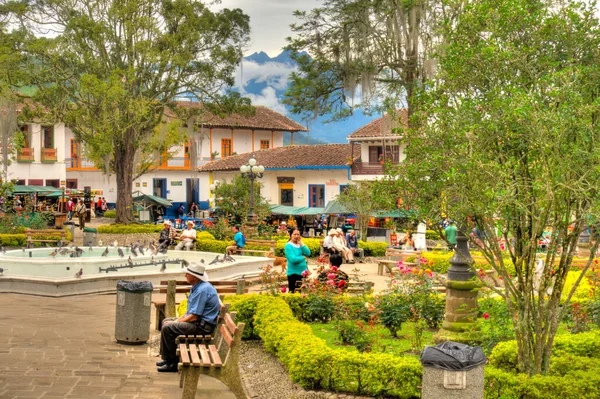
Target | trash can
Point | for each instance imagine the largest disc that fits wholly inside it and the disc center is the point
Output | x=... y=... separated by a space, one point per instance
x=90 y=236
x=132 y=322
x=452 y=370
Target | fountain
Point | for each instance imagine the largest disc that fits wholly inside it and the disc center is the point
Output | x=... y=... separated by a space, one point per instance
x=90 y=270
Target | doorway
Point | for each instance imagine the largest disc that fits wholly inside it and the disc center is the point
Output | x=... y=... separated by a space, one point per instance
x=159 y=188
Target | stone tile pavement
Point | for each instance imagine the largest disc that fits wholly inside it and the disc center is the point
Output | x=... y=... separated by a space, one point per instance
x=65 y=348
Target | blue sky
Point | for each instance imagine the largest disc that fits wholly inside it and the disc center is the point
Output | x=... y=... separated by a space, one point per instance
x=269 y=21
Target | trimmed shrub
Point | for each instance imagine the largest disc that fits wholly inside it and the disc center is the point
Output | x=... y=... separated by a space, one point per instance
x=13 y=240
x=314 y=244
x=438 y=262
x=432 y=235
x=373 y=248
x=129 y=229
x=204 y=235
x=211 y=246
x=110 y=214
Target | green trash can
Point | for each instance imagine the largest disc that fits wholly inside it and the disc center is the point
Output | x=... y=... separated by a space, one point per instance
x=90 y=236
x=132 y=322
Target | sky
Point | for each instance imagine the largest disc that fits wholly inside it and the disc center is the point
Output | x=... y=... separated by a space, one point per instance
x=270 y=21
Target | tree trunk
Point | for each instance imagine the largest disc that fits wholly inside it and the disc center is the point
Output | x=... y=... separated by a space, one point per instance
x=123 y=168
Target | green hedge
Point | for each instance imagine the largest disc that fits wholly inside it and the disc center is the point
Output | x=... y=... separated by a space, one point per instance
x=373 y=248
x=212 y=246
x=130 y=229
x=204 y=235
x=110 y=214
x=13 y=240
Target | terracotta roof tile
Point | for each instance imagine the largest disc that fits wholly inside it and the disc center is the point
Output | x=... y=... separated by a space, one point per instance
x=289 y=157
x=263 y=119
x=382 y=127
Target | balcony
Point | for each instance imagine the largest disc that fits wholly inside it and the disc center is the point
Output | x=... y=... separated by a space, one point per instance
x=75 y=163
x=367 y=168
x=25 y=155
x=181 y=163
x=48 y=155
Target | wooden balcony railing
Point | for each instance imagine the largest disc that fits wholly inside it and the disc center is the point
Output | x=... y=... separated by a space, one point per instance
x=367 y=168
x=75 y=163
x=48 y=154
x=25 y=155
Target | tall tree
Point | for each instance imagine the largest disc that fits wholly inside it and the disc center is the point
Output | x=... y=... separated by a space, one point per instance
x=233 y=199
x=109 y=69
x=380 y=49
x=507 y=137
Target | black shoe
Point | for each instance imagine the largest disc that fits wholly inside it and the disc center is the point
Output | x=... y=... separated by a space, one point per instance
x=161 y=363
x=168 y=368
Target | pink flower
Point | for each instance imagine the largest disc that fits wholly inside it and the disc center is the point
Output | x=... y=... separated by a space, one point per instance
x=400 y=263
x=423 y=261
x=334 y=268
x=330 y=282
x=331 y=276
x=284 y=289
x=305 y=273
x=502 y=247
x=486 y=316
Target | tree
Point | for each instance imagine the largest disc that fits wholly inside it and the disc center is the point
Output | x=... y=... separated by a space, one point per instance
x=506 y=137
x=378 y=48
x=109 y=69
x=233 y=200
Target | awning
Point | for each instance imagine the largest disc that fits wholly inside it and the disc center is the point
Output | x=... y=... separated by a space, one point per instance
x=151 y=199
x=395 y=213
x=334 y=207
x=40 y=190
x=295 y=210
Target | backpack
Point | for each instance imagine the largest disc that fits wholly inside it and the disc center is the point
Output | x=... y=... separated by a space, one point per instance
x=243 y=239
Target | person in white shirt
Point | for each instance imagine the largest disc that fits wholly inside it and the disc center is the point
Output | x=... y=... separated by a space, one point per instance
x=187 y=237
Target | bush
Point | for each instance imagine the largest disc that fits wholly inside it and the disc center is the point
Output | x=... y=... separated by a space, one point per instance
x=245 y=306
x=211 y=246
x=13 y=240
x=204 y=235
x=130 y=229
x=373 y=248
x=110 y=214
x=394 y=309
x=353 y=333
x=438 y=262
x=432 y=235
x=314 y=244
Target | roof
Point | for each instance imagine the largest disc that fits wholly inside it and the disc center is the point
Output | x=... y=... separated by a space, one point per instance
x=295 y=210
x=323 y=156
x=40 y=190
x=382 y=127
x=153 y=200
x=263 y=119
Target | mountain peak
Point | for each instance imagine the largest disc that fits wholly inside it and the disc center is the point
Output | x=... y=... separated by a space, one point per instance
x=259 y=57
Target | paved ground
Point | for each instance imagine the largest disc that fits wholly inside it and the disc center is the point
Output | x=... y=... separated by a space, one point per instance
x=65 y=348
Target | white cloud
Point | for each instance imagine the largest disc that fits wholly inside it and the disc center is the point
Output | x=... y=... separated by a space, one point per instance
x=274 y=74
x=267 y=98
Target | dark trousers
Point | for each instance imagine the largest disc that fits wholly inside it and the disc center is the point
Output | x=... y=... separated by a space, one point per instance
x=292 y=279
x=173 y=329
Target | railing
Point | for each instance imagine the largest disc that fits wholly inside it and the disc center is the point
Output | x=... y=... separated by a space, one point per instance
x=48 y=154
x=182 y=163
x=25 y=155
x=76 y=163
x=367 y=168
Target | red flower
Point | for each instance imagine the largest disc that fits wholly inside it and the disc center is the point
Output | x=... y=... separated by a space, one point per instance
x=341 y=283
x=486 y=316
x=284 y=289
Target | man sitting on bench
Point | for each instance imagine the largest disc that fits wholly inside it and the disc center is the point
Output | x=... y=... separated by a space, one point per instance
x=187 y=237
x=200 y=318
x=239 y=241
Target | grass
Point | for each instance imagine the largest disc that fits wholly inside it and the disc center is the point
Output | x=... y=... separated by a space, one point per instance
x=404 y=345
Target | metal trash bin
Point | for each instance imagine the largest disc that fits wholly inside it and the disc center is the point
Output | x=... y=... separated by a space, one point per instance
x=452 y=370
x=132 y=322
x=90 y=236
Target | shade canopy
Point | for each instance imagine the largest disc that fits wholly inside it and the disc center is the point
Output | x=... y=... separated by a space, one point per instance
x=40 y=190
x=334 y=207
x=148 y=199
x=295 y=210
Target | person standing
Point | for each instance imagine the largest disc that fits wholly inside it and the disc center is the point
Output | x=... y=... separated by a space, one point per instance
x=295 y=253
x=203 y=309
x=239 y=241
x=450 y=233
x=80 y=212
x=70 y=208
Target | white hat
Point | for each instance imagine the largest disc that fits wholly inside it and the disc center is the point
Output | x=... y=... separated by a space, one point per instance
x=190 y=222
x=339 y=230
x=332 y=232
x=167 y=222
x=197 y=271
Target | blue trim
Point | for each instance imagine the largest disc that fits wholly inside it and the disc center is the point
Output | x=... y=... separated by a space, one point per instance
x=310 y=168
x=324 y=194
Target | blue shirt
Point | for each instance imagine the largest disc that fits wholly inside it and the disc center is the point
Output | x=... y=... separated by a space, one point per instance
x=296 y=263
x=204 y=302
x=239 y=239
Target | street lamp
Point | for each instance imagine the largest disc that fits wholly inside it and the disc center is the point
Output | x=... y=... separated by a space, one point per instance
x=252 y=171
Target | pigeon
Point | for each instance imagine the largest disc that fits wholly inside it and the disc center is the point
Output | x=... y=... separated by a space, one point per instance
x=133 y=252
x=105 y=253
x=202 y=261
x=53 y=253
x=120 y=251
x=79 y=273
x=89 y=243
x=152 y=260
x=163 y=267
x=1 y=271
x=215 y=260
x=130 y=262
x=24 y=248
x=184 y=263
x=90 y=249
x=141 y=249
x=78 y=251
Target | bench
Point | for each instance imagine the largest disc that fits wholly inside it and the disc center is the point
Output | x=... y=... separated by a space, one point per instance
x=360 y=287
x=223 y=287
x=262 y=243
x=393 y=256
x=60 y=236
x=216 y=356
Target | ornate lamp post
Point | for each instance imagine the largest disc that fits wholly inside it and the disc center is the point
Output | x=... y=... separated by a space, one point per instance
x=252 y=171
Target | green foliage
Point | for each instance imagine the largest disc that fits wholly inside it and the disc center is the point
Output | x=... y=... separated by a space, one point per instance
x=13 y=240
x=394 y=309
x=353 y=307
x=319 y=308
x=130 y=229
x=16 y=223
x=221 y=230
x=354 y=333
x=110 y=214
x=211 y=246
x=497 y=324
x=245 y=306
x=430 y=308
x=438 y=262
x=204 y=235
x=432 y=235
x=233 y=200
x=373 y=248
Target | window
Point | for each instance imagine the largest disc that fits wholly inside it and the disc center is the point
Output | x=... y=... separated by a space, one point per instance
x=226 y=148
x=20 y=182
x=72 y=184
x=53 y=183
x=286 y=194
x=265 y=144
x=316 y=195
x=36 y=182
x=25 y=131
x=47 y=137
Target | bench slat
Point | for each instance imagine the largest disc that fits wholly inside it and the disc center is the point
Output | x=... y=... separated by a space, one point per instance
x=183 y=352
x=194 y=354
x=230 y=324
x=216 y=359
x=204 y=356
x=226 y=335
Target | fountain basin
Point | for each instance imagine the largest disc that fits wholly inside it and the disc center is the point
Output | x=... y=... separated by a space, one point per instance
x=34 y=272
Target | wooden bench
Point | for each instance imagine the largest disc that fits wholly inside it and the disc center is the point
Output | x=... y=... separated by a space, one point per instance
x=60 y=236
x=223 y=287
x=216 y=356
x=262 y=243
x=360 y=287
x=393 y=256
